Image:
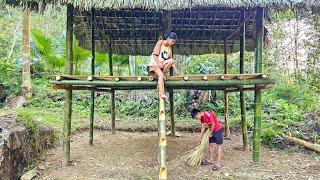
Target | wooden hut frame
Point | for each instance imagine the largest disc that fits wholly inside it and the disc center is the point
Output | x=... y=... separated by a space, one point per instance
x=226 y=82
x=133 y=27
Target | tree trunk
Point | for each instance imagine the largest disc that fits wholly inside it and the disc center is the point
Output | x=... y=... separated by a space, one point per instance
x=306 y=144
x=296 y=45
x=26 y=78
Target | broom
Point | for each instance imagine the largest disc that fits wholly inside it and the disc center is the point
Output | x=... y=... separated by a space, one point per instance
x=197 y=155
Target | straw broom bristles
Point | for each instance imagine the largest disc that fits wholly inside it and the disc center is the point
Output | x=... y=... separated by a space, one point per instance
x=196 y=155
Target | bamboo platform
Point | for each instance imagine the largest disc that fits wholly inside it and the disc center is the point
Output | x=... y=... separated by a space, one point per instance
x=230 y=82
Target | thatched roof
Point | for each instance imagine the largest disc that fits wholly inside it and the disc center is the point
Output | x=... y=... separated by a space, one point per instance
x=133 y=26
x=172 y=4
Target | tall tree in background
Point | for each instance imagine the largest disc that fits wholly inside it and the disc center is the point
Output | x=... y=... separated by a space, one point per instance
x=296 y=44
x=26 y=77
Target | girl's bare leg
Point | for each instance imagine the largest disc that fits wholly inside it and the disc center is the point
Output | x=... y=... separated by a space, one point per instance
x=168 y=64
x=160 y=75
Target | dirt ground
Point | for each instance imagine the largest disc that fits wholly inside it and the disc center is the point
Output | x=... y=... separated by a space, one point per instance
x=128 y=155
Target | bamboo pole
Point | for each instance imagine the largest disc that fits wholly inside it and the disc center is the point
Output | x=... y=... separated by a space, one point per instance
x=173 y=128
x=226 y=99
x=314 y=147
x=92 y=92
x=68 y=93
x=162 y=142
x=129 y=85
x=258 y=95
x=242 y=98
x=222 y=84
x=113 y=106
x=26 y=77
x=209 y=77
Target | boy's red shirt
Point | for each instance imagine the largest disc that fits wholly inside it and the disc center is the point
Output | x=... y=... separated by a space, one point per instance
x=210 y=117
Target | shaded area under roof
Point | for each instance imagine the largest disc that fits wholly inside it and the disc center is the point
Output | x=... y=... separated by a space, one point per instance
x=135 y=32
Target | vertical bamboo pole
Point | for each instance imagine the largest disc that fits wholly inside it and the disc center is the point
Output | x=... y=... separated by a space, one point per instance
x=242 y=99
x=173 y=127
x=166 y=28
x=257 y=93
x=162 y=142
x=226 y=99
x=26 y=77
x=92 y=73
x=68 y=93
x=113 y=114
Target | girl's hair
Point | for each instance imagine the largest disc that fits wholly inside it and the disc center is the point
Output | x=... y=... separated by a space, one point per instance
x=171 y=35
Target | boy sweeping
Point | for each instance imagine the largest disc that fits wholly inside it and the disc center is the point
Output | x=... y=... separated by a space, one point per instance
x=208 y=118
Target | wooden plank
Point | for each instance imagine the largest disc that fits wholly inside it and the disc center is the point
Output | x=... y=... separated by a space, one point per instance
x=169 y=78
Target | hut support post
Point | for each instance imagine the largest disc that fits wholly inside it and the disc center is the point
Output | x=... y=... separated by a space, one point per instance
x=258 y=94
x=173 y=128
x=68 y=93
x=162 y=142
x=113 y=106
x=226 y=99
x=92 y=73
x=166 y=28
x=242 y=98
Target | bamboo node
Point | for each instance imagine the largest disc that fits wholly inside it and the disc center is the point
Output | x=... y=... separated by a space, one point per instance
x=239 y=77
x=58 y=78
x=139 y=78
x=163 y=173
x=150 y=78
x=205 y=78
x=163 y=141
x=90 y=78
x=222 y=77
x=264 y=76
x=185 y=78
x=117 y=79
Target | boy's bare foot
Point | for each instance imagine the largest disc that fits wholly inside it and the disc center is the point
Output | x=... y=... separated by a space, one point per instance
x=207 y=162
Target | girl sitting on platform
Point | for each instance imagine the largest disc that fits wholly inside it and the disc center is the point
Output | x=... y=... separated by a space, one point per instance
x=161 y=60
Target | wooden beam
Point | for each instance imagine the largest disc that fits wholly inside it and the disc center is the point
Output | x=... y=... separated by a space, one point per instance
x=193 y=84
x=68 y=87
x=68 y=93
x=242 y=97
x=92 y=93
x=314 y=147
x=240 y=25
x=113 y=103
x=258 y=94
x=226 y=98
x=208 y=77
